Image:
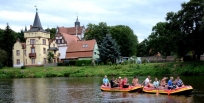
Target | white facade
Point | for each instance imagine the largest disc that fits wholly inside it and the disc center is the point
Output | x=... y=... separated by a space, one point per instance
x=62 y=51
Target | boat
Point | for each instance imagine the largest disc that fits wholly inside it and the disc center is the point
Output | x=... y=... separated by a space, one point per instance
x=184 y=90
x=120 y=89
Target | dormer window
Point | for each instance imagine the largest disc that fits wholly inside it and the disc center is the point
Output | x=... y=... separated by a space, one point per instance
x=85 y=45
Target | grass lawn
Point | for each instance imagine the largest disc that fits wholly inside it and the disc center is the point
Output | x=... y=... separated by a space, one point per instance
x=191 y=68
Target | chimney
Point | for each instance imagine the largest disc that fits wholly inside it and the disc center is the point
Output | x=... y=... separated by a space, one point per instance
x=31 y=26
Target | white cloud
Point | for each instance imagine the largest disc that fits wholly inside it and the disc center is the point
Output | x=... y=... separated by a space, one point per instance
x=140 y=15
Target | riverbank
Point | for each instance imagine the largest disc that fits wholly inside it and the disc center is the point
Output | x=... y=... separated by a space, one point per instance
x=183 y=68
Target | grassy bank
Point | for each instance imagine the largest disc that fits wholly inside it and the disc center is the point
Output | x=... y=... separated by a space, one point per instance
x=188 y=68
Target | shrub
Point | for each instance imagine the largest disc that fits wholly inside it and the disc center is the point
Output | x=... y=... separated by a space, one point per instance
x=1 y=66
x=83 y=62
x=59 y=64
x=66 y=64
x=72 y=62
x=23 y=67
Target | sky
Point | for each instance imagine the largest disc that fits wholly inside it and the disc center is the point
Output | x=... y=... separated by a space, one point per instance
x=139 y=15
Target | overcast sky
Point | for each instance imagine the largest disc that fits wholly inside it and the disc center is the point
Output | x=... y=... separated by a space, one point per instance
x=140 y=15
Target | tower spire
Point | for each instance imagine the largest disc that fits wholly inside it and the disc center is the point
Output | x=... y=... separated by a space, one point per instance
x=37 y=24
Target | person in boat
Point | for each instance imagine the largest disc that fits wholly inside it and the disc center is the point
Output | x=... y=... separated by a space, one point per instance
x=113 y=83
x=119 y=81
x=125 y=83
x=179 y=82
x=170 y=83
x=163 y=82
x=156 y=83
x=135 y=81
x=106 y=81
x=146 y=81
x=150 y=85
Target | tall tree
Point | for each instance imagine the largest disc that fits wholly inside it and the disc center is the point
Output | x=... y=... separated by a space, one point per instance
x=3 y=56
x=143 y=49
x=96 y=31
x=189 y=21
x=7 y=42
x=109 y=50
x=125 y=38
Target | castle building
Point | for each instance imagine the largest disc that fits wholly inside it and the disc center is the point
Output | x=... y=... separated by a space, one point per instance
x=35 y=50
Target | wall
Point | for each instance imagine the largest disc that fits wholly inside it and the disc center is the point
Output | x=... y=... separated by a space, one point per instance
x=96 y=56
x=18 y=46
x=38 y=36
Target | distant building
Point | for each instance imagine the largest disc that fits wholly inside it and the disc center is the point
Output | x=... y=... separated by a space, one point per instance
x=71 y=44
x=34 y=51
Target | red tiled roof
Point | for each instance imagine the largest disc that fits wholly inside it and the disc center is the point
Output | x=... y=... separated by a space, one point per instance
x=70 y=30
x=69 y=38
x=79 y=54
x=76 y=49
x=78 y=46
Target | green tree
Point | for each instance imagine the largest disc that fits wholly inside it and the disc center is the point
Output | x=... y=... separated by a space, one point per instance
x=161 y=39
x=143 y=49
x=50 y=57
x=187 y=22
x=52 y=32
x=124 y=36
x=20 y=35
x=96 y=31
x=3 y=56
x=109 y=50
x=7 y=42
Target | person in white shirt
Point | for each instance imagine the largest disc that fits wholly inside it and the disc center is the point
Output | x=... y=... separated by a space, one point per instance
x=147 y=80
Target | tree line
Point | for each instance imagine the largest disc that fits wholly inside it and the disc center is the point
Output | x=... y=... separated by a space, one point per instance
x=180 y=35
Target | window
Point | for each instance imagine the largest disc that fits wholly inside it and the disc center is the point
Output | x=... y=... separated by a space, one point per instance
x=32 y=41
x=85 y=46
x=32 y=50
x=53 y=45
x=26 y=61
x=32 y=60
x=44 y=50
x=44 y=60
x=17 y=52
x=62 y=41
x=18 y=61
x=25 y=52
x=95 y=53
x=44 y=42
x=59 y=41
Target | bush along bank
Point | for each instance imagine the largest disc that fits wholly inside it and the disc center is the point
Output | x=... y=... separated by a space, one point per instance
x=188 y=68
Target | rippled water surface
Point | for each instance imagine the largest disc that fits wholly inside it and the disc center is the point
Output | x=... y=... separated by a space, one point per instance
x=86 y=90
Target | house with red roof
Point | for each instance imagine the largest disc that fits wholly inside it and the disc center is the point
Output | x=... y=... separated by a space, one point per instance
x=71 y=45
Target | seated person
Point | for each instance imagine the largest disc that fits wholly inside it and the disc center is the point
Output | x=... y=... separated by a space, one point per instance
x=179 y=82
x=156 y=83
x=113 y=83
x=170 y=83
x=135 y=81
x=163 y=82
x=124 y=83
x=105 y=81
x=150 y=85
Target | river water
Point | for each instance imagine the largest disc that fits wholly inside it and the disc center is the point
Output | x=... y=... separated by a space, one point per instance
x=86 y=90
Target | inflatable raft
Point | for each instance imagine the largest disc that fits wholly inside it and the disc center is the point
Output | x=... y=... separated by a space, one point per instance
x=184 y=90
x=120 y=89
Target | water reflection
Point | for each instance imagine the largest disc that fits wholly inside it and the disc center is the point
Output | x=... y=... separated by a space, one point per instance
x=79 y=90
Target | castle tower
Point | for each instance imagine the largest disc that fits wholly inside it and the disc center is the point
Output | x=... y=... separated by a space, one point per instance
x=37 y=43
